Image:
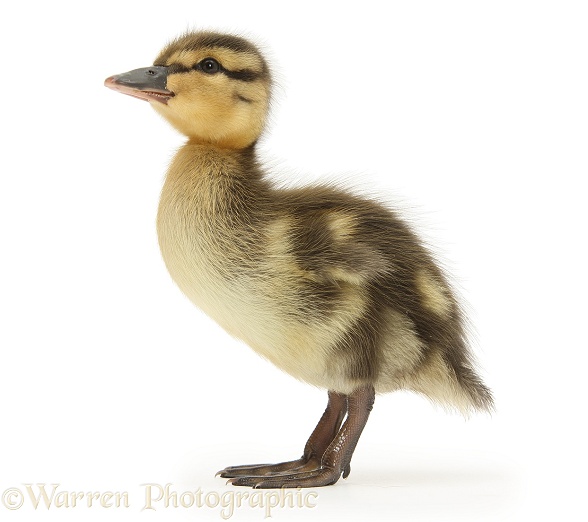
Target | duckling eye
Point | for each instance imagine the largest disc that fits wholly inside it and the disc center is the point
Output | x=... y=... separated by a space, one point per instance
x=209 y=65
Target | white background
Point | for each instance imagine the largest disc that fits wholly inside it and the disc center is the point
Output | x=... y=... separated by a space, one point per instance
x=472 y=116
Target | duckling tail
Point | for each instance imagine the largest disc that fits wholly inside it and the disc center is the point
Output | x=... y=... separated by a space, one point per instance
x=450 y=380
x=479 y=394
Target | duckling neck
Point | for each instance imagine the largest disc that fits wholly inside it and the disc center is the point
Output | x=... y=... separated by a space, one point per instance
x=210 y=216
x=212 y=180
x=212 y=199
x=197 y=160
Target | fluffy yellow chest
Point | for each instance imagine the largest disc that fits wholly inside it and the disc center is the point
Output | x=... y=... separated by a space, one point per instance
x=226 y=264
x=201 y=249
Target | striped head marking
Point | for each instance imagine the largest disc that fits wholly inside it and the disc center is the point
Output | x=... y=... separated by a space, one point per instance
x=212 y=87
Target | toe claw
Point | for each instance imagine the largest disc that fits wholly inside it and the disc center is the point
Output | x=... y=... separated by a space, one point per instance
x=346 y=471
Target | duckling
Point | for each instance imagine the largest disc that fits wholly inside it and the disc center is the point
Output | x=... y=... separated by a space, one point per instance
x=333 y=288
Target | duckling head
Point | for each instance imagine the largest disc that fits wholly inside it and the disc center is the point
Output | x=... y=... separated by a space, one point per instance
x=214 y=88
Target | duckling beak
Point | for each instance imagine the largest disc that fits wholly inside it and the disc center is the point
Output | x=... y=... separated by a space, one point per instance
x=148 y=83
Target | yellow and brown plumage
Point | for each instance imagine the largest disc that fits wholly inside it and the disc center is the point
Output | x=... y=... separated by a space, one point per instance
x=332 y=288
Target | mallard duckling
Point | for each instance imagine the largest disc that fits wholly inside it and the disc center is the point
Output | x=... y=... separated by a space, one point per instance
x=332 y=288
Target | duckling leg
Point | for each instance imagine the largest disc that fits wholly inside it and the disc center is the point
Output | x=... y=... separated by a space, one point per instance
x=317 y=443
x=336 y=458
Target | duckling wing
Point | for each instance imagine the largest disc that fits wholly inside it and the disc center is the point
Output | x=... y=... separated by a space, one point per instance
x=333 y=236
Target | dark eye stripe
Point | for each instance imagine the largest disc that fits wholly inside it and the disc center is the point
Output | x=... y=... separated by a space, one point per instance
x=176 y=68
x=244 y=75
